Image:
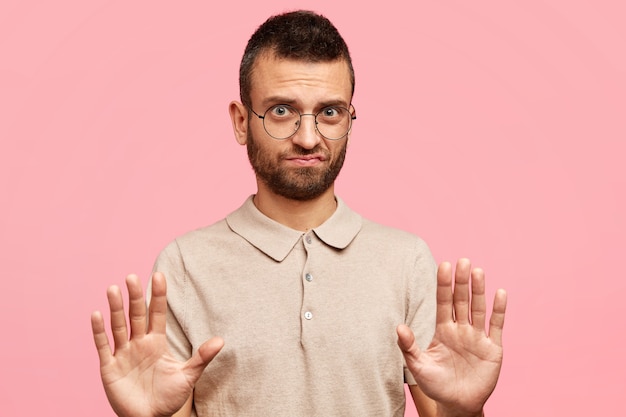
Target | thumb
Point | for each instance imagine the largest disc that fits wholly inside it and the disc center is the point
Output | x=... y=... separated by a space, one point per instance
x=203 y=356
x=406 y=342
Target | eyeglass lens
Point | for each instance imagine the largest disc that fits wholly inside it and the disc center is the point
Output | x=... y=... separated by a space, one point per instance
x=282 y=121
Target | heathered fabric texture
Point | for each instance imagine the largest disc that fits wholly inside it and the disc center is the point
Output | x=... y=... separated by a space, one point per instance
x=308 y=319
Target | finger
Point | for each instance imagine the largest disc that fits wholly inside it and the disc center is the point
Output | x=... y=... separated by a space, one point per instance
x=444 y=293
x=118 y=318
x=158 y=304
x=406 y=342
x=203 y=356
x=100 y=338
x=496 y=323
x=136 y=307
x=479 y=309
x=461 y=291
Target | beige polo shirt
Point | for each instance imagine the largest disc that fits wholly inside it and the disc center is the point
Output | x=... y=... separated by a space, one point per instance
x=308 y=319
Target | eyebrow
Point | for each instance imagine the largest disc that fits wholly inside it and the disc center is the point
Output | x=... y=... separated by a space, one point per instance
x=278 y=100
x=272 y=100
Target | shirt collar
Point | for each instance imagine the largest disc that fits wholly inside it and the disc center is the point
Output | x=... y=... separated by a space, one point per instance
x=277 y=240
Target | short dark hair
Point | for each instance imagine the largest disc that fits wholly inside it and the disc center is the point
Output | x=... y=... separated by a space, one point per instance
x=300 y=35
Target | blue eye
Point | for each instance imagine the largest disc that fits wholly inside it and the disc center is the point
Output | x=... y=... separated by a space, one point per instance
x=281 y=110
x=330 y=112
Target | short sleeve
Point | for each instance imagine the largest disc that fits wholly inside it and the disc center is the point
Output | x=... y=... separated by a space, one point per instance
x=170 y=263
x=421 y=301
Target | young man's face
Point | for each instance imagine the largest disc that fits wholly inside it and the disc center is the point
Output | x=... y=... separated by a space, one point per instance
x=305 y=165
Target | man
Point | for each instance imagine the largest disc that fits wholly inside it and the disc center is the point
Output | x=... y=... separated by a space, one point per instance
x=294 y=305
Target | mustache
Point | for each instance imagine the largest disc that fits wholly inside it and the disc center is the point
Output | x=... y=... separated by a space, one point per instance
x=298 y=150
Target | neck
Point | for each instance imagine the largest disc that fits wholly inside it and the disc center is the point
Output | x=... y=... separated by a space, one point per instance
x=298 y=215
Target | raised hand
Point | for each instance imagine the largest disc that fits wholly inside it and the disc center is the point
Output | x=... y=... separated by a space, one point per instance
x=140 y=377
x=460 y=368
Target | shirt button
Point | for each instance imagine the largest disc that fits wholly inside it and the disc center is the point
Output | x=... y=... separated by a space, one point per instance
x=308 y=239
x=308 y=315
x=308 y=277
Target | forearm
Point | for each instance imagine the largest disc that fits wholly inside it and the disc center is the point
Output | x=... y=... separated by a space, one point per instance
x=185 y=410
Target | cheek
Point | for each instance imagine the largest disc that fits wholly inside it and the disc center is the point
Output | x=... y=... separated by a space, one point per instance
x=337 y=147
x=265 y=148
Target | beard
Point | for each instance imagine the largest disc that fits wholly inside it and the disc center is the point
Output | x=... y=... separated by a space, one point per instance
x=302 y=184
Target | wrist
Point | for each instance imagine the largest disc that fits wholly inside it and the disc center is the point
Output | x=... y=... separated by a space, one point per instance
x=480 y=414
x=443 y=412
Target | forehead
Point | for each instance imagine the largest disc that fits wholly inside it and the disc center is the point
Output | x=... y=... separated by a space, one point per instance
x=300 y=81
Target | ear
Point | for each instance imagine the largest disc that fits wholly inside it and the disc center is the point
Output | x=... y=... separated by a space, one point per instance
x=239 y=118
x=353 y=112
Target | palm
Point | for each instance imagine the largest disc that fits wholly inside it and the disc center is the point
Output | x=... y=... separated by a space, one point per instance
x=141 y=378
x=461 y=366
x=454 y=357
x=145 y=380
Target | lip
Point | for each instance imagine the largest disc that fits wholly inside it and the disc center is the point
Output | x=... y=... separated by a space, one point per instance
x=306 y=160
x=320 y=157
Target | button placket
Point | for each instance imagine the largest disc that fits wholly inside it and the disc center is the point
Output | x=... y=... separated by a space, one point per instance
x=307 y=313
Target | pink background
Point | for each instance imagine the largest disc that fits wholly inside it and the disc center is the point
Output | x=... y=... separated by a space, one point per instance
x=494 y=131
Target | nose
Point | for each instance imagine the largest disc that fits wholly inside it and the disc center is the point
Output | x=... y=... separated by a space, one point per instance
x=307 y=135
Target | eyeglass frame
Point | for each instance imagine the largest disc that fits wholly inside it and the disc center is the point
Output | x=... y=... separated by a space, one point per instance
x=352 y=117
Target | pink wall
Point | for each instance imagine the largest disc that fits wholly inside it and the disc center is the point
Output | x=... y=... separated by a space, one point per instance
x=495 y=131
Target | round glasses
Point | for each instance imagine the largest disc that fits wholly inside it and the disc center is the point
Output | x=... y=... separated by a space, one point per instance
x=281 y=121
